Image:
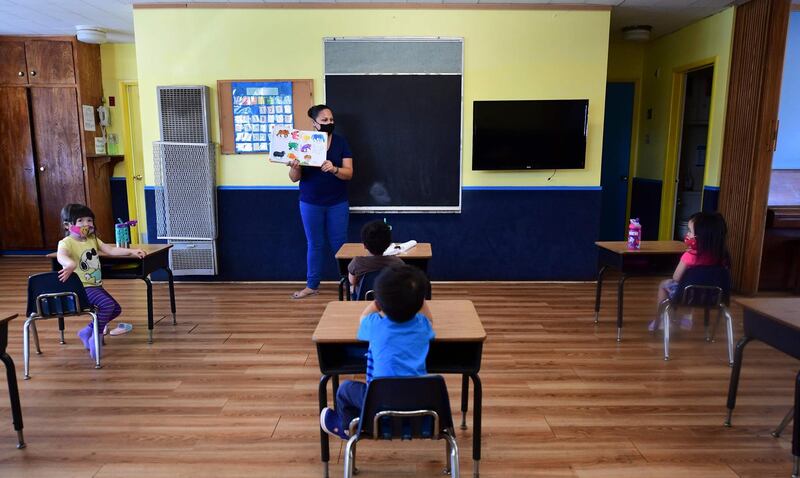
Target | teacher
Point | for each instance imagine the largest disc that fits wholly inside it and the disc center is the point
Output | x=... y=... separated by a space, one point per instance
x=323 y=198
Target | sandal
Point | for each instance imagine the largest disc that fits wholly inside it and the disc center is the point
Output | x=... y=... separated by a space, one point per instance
x=301 y=294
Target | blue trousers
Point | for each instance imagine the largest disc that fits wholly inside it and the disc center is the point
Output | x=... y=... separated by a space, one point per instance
x=319 y=223
x=350 y=400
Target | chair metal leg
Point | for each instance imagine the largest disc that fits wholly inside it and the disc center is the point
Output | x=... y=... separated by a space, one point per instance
x=714 y=327
x=36 y=337
x=665 y=319
x=598 y=294
x=788 y=418
x=452 y=448
x=734 y=383
x=26 y=348
x=729 y=325
x=349 y=456
x=98 y=342
x=61 y=329
x=464 y=400
x=796 y=467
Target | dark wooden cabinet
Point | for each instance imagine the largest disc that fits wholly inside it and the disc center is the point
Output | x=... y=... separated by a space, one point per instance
x=44 y=149
x=20 y=224
x=13 y=70
x=50 y=62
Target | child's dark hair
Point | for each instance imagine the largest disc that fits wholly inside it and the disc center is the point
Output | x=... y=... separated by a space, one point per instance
x=711 y=233
x=400 y=292
x=315 y=110
x=376 y=236
x=72 y=212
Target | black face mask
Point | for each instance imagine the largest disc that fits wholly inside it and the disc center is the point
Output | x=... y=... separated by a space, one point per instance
x=326 y=128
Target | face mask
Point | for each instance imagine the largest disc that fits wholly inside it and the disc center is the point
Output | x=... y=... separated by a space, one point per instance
x=691 y=242
x=82 y=231
x=326 y=128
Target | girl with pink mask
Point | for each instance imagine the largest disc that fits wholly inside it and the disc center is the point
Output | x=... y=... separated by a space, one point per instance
x=79 y=252
x=705 y=244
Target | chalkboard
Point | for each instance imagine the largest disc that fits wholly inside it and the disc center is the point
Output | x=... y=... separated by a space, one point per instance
x=405 y=134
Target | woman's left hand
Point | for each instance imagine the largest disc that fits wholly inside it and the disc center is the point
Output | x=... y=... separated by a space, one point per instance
x=328 y=167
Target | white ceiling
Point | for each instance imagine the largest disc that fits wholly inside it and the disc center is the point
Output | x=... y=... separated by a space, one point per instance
x=59 y=17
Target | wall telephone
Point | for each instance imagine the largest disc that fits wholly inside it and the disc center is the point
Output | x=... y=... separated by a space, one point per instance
x=102 y=114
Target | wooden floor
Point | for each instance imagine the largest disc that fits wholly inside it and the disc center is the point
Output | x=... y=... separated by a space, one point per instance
x=231 y=391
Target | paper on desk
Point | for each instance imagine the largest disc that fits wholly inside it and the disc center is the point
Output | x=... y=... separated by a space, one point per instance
x=396 y=249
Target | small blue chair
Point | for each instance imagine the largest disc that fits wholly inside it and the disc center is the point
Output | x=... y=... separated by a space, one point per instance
x=365 y=290
x=701 y=287
x=11 y=377
x=405 y=408
x=49 y=298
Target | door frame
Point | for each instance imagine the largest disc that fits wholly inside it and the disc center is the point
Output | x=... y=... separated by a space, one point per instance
x=130 y=184
x=669 y=192
x=634 y=153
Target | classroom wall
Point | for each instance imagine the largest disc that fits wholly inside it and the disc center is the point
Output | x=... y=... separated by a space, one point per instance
x=787 y=155
x=118 y=63
x=508 y=54
x=506 y=228
x=707 y=39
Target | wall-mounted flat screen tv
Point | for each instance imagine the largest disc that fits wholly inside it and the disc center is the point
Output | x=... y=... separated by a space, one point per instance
x=529 y=134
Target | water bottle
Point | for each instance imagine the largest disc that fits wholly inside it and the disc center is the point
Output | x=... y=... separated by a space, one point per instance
x=122 y=234
x=634 y=234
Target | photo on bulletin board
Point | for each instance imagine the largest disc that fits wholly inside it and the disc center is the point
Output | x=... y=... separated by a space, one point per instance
x=310 y=148
x=258 y=109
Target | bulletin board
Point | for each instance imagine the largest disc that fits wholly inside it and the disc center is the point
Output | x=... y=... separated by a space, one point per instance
x=302 y=92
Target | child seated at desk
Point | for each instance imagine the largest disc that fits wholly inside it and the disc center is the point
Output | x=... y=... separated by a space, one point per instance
x=79 y=252
x=397 y=326
x=705 y=242
x=377 y=237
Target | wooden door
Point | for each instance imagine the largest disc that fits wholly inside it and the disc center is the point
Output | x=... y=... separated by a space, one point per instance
x=12 y=63
x=57 y=146
x=20 y=222
x=50 y=62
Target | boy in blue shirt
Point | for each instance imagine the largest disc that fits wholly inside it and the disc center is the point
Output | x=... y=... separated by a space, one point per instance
x=397 y=326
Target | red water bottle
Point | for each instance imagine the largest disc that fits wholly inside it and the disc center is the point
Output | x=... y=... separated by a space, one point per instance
x=634 y=234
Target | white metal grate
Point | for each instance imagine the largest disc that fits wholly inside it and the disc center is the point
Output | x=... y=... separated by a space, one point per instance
x=183 y=114
x=185 y=176
x=193 y=258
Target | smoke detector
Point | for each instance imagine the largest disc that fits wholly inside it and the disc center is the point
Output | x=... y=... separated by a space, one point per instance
x=637 y=33
x=91 y=33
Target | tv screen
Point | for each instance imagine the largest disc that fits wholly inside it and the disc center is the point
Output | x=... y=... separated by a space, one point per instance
x=529 y=134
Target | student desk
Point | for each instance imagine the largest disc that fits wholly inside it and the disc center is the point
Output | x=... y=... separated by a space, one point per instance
x=653 y=258
x=457 y=348
x=776 y=322
x=11 y=377
x=116 y=267
x=417 y=256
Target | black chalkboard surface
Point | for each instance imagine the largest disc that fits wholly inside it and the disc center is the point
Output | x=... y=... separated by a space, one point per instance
x=405 y=133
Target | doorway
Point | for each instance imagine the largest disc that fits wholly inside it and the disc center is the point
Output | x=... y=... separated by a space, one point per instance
x=693 y=147
x=615 y=174
x=133 y=150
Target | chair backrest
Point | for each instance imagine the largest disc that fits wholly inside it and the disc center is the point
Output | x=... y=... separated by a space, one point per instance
x=49 y=297
x=366 y=286
x=390 y=403
x=704 y=286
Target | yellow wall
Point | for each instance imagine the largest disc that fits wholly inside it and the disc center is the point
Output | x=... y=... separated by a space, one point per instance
x=625 y=61
x=709 y=39
x=508 y=54
x=118 y=64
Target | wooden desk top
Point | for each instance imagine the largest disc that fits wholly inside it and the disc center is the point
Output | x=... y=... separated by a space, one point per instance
x=453 y=321
x=6 y=316
x=148 y=248
x=648 y=247
x=354 y=249
x=780 y=309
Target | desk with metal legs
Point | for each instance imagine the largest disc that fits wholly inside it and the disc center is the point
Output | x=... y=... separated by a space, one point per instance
x=654 y=258
x=117 y=267
x=776 y=322
x=11 y=377
x=457 y=349
x=417 y=256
